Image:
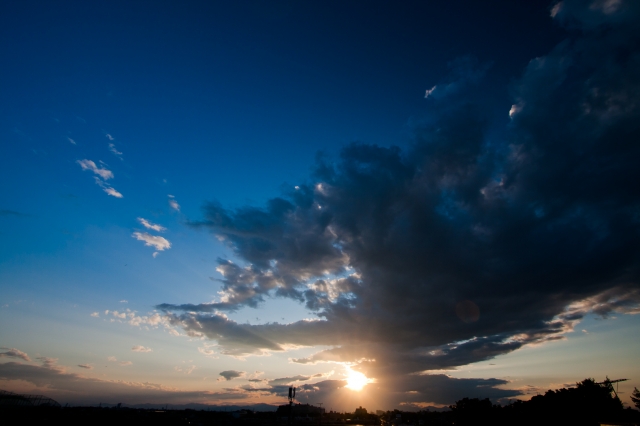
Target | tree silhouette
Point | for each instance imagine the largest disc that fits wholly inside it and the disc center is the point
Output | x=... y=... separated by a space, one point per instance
x=635 y=397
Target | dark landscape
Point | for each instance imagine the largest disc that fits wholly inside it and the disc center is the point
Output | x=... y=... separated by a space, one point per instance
x=588 y=403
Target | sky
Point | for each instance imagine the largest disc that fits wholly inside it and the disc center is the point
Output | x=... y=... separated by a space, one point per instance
x=386 y=204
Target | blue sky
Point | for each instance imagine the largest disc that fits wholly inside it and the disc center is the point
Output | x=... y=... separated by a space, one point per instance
x=299 y=193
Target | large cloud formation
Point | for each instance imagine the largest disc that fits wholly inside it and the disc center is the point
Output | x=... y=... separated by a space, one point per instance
x=459 y=247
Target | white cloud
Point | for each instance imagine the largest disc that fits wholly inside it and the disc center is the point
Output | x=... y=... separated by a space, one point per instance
x=124 y=301
x=140 y=348
x=429 y=92
x=103 y=175
x=150 y=225
x=111 y=138
x=95 y=315
x=71 y=140
x=112 y=148
x=515 y=108
x=90 y=165
x=173 y=203
x=125 y=363
x=159 y=243
x=109 y=190
x=111 y=358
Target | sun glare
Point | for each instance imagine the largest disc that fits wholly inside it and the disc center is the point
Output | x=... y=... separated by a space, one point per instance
x=356 y=380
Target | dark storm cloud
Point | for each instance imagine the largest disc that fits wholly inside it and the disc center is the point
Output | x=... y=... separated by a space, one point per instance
x=460 y=247
x=231 y=374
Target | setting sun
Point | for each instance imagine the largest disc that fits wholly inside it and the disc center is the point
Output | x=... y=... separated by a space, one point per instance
x=356 y=380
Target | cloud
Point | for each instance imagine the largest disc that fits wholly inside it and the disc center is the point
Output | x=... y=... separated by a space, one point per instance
x=107 y=188
x=50 y=363
x=105 y=174
x=112 y=148
x=95 y=314
x=86 y=366
x=124 y=301
x=159 y=243
x=78 y=389
x=71 y=141
x=108 y=136
x=231 y=374
x=150 y=225
x=139 y=348
x=125 y=363
x=458 y=247
x=173 y=203
x=111 y=359
x=288 y=380
x=14 y=353
x=185 y=370
x=207 y=352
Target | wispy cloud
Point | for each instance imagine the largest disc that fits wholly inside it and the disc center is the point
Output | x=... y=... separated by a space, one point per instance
x=173 y=203
x=111 y=138
x=14 y=353
x=111 y=191
x=185 y=370
x=125 y=363
x=105 y=174
x=95 y=315
x=112 y=148
x=140 y=348
x=48 y=362
x=150 y=225
x=71 y=140
x=87 y=366
x=156 y=241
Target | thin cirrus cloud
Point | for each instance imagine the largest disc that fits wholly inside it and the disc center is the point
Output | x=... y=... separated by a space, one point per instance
x=103 y=175
x=112 y=148
x=86 y=366
x=478 y=247
x=152 y=226
x=140 y=348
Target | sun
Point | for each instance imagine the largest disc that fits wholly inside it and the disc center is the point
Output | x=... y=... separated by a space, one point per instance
x=356 y=380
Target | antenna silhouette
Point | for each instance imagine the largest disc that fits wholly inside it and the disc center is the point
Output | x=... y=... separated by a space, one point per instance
x=292 y=396
x=609 y=384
